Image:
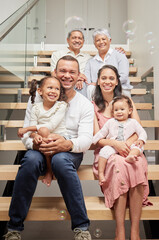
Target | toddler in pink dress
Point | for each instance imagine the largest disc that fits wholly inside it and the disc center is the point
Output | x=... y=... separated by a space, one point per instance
x=120 y=128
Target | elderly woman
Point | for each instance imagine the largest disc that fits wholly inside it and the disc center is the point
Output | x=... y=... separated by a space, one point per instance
x=106 y=55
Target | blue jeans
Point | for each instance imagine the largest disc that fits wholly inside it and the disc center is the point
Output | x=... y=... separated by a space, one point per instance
x=64 y=166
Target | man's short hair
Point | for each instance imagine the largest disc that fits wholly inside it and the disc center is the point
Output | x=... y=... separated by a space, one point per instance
x=68 y=58
x=101 y=31
x=75 y=30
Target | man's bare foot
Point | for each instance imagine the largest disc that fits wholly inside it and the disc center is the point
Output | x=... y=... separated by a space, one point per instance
x=131 y=159
x=47 y=179
x=102 y=179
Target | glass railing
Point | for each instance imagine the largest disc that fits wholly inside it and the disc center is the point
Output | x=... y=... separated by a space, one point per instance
x=17 y=48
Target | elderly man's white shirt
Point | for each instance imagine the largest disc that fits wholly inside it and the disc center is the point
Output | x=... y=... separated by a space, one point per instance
x=79 y=122
x=113 y=57
x=81 y=57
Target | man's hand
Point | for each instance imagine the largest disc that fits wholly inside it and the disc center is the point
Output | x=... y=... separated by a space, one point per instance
x=55 y=144
x=120 y=49
x=79 y=85
x=81 y=78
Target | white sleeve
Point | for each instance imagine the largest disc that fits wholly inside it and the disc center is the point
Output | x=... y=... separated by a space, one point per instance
x=58 y=116
x=85 y=130
x=123 y=68
x=102 y=133
x=87 y=71
x=142 y=135
x=33 y=116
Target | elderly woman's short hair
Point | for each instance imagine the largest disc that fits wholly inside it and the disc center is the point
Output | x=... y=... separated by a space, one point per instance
x=101 y=31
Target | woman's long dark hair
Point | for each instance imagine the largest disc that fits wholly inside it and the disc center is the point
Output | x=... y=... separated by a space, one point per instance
x=98 y=97
x=39 y=84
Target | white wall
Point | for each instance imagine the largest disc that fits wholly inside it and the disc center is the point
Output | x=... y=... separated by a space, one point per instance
x=8 y=7
x=94 y=13
x=145 y=14
x=118 y=15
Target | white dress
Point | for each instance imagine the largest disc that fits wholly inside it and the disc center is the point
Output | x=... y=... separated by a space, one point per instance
x=53 y=119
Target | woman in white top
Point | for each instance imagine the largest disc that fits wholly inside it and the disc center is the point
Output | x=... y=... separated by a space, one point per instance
x=47 y=117
x=106 y=56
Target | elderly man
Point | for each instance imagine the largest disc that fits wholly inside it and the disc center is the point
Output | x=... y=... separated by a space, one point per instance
x=66 y=156
x=106 y=55
x=75 y=40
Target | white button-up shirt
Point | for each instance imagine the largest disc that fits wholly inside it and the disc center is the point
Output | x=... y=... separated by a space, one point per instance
x=81 y=57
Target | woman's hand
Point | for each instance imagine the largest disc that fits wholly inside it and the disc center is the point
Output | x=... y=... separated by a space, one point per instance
x=121 y=147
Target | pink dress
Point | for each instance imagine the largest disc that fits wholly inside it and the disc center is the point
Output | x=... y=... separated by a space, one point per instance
x=120 y=175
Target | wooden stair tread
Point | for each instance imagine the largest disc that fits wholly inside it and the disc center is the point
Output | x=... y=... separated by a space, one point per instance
x=18 y=145
x=132 y=70
x=10 y=78
x=19 y=123
x=12 y=123
x=92 y=53
x=8 y=172
x=39 y=60
x=135 y=79
x=25 y=91
x=14 y=105
x=49 y=208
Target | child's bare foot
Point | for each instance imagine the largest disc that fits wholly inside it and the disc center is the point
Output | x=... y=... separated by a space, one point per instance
x=47 y=179
x=102 y=179
x=131 y=159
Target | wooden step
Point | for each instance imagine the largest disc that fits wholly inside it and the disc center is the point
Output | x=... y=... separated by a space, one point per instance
x=135 y=80
x=12 y=145
x=10 y=78
x=138 y=91
x=132 y=70
x=150 y=79
x=143 y=106
x=92 y=53
x=40 y=60
x=38 y=69
x=12 y=123
x=9 y=172
x=25 y=91
x=19 y=123
x=15 y=69
x=150 y=123
x=53 y=208
x=13 y=105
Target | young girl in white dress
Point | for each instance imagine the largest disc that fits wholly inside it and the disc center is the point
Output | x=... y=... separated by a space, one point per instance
x=47 y=117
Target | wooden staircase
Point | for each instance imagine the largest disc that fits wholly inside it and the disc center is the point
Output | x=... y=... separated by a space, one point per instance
x=48 y=208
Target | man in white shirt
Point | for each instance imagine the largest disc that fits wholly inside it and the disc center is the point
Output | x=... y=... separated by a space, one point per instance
x=66 y=158
x=75 y=40
x=107 y=56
